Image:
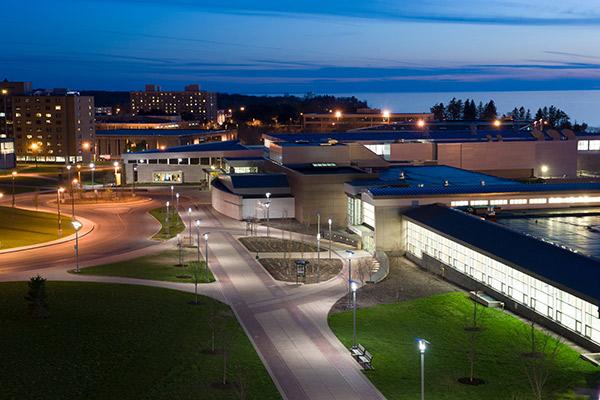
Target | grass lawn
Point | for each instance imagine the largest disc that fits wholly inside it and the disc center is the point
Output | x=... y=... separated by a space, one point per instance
x=23 y=227
x=389 y=332
x=174 y=227
x=159 y=267
x=122 y=342
x=274 y=244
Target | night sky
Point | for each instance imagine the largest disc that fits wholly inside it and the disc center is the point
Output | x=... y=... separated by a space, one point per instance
x=277 y=46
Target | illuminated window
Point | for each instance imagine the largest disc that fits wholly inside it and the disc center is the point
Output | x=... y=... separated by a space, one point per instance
x=594 y=145
x=583 y=145
x=58 y=108
x=518 y=201
x=538 y=201
x=479 y=202
x=498 y=202
x=368 y=211
x=459 y=203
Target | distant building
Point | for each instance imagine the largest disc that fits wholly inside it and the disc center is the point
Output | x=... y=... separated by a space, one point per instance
x=7 y=91
x=104 y=110
x=113 y=143
x=200 y=104
x=54 y=126
x=337 y=121
x=7 y=154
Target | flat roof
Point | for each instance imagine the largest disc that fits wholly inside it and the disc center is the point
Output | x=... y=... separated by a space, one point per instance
x=230 y=145
x=449 y=136
x=569 y=271
x=156 y=132
x=311 y=169
x=245 y=181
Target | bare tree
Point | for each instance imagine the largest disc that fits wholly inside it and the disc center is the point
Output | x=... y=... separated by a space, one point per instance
x=242 y=382
x=473 y=330
x=540 y=362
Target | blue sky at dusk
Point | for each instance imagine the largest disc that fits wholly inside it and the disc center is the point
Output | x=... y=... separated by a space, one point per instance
x=276 y=46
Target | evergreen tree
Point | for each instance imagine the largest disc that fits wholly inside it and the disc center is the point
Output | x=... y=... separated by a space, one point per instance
x=470 y=110
x=489 y=111
x=438 y=111
x=480 y=110
x=455 y=109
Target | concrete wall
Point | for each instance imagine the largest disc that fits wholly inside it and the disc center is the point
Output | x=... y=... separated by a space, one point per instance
x=389 y=229
x=434 y=266
x=238 y=208
x=412 y=152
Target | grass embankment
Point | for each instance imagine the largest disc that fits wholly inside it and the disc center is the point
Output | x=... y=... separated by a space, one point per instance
x=160 y=267
x=24 y=227
x=389 y=332
x=170 y=229
x=123 y=342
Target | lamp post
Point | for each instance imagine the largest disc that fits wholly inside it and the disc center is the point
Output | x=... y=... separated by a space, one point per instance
x=318 y=222
x=198 y=240
x=177 y=202
x=79 y=172
x=58 y=192
x=167 y=220
x=172 y=188
x=268 y=205
x=350 y=254
x=14 y=175
x=329 y=221
x=73 y=183
x=77 y=225
x=206 y=254
x=93 y=168
x=422 y=347
x=116 y=165
x=133 y=181
x=69 y=166
x=190 y=223
x=318 y=257
x=353 y=287
x=35 y=148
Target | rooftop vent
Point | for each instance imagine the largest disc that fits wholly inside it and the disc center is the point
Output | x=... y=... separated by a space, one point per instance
x=402 y=177
x=446 y=183
x=482 y=183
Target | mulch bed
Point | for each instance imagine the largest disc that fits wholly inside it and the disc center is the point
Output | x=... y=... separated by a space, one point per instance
x=404 y=282
x=285 y=270
x=263 y=244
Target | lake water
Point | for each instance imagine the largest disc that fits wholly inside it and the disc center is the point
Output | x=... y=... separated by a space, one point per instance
x=581 y=105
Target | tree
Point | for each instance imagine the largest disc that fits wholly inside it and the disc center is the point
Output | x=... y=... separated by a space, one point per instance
x=480 y=110
x=454 y=110
x=489 y=111
x=36 y=297
x=473 y=330
x=470 y=110
x=438 y=111
x=195 y=271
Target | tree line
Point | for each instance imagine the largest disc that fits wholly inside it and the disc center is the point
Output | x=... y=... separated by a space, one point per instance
x=467 y=110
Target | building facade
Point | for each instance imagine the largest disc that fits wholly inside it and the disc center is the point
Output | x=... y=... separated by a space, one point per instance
x=336 y=121
x=7 y=91
x=201 y=104
x=54 y=126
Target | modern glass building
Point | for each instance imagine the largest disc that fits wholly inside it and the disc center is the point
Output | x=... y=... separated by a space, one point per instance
x=546 y=282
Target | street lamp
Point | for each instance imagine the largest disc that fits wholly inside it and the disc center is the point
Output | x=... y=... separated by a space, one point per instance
x=422 y=347
x=353 y=287
x=206 y=254
x=177 y=203
x=318 y=257
x=268 y=206
x=93 y=168
x=58 y=192
x=14 y=175
x=77 y=225
x=172 y=193
x=190 y=223
x=35 y=148
x=167 y=219
x=350 y=254
x=73 y=183
x=198 y=239
x=69 y=171
x=421 y=123
x=386 y=116
x=329 y=221
x=79 y=172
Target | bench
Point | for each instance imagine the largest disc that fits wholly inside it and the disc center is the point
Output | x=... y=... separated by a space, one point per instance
x=365 y=360
x=358 y=351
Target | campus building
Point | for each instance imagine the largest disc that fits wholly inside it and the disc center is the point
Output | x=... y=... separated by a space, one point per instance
x=542 y=281
x=7 y=91
x=111 y=144
x=198 y=103
x=195 y=163
x=54 y=126
x=8 y=159
x=337 y=121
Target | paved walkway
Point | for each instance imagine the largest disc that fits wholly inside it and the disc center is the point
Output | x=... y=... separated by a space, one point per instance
x=286 y=323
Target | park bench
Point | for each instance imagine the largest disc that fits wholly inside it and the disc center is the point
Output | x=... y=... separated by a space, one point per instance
x=358 y=351
x=366 y=360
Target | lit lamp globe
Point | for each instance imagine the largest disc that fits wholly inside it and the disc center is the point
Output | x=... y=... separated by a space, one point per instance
x=76 y=225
